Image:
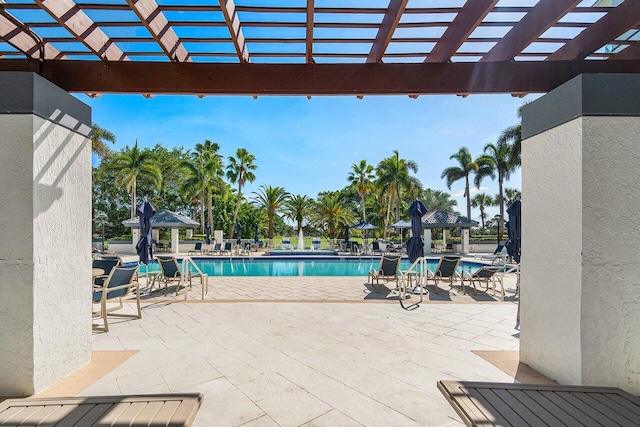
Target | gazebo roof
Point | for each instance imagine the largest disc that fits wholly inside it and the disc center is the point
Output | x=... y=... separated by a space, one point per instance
x=164 y=218
x=443 y=219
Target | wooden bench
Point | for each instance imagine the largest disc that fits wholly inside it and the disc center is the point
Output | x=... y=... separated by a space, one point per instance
x=498 y=404
x=144 y=410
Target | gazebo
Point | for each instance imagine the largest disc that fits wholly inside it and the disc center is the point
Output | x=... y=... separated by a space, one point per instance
x=162 y=219
x=446 y=220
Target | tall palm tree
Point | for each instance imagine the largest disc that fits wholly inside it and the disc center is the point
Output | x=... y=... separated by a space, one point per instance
x=132 y=163
x=209 y=164
x=331 y=211
x=466 y=166
x=297 y=208
x=498 y=156
x=393 y=177
x=271 y=199
x=240 y=171
x=361 y=178
x=513 y=136
x=481 y=201
x=98 y=137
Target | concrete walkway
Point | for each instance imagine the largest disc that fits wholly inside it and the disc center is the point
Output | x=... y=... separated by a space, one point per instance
x=307 y=351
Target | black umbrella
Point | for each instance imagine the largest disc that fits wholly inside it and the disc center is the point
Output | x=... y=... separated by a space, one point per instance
x=255 y=233
x=144 y=246
x=346 y=233
x=207 y=232
x=415 y=245
x=514 y=230
x=238 y=231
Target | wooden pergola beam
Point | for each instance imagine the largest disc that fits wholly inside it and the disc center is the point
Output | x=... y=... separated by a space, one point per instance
x=385 y=32
x=235 y=29
x=309 y=35
x=71 y=17
x=314 y=79
x=622 y=18
x=469 y=17
x=152 y=17
x=14 y=32
x=538 y=20
x=629 y=53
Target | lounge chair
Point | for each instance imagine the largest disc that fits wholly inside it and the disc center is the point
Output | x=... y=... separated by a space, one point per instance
x=226 y=249
x=499 y=253
x=171 y=273
x=286 y=244
x=315 y=244
x=119 y=283
x=106 y=265
x=197 y=249
x=388 y=271
x=448 y=247
x=445 y=271
x=375 y=247
x=217 y=247
x=486 y=275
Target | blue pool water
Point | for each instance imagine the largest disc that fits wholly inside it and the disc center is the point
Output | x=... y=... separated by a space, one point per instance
x=299 y=267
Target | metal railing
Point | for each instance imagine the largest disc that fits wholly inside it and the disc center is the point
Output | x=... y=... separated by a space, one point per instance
x=188 y=262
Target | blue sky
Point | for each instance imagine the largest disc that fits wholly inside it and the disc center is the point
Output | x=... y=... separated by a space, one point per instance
x=309 y=145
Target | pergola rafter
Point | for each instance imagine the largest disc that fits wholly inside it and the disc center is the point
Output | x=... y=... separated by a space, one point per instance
x=385 y=32
x=538 y=20
x=619 y=20
x=17 y=35
x=467 y=20
x=309 y=35
x=235 y=29
x=71 y=17
x=152 y=17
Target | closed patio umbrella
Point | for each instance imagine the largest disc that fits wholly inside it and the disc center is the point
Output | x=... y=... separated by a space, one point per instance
x=346 y=233
x=514 y=230
x=144 y=247
x=207 y=232
x=238 y=232
x=415 y=245
x=255 y=233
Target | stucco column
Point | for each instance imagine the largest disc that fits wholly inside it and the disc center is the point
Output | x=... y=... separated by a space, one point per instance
x=189 y=232
x=445 y=236
x=465 y=241
x=427 y=241
x=175 y=242
x=45 y=237
x=580 y=307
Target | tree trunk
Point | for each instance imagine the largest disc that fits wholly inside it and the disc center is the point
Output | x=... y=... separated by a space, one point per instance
x=210 y=208
x=133 y=199
x=482 y=216
x=364 y=209
x=468 y=194
x=235 y=213
x=271 y=225
x=202 y=212
x=386 y=221
x=501 y=201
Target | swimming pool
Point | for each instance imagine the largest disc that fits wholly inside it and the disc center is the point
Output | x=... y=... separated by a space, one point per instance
x=299 y=267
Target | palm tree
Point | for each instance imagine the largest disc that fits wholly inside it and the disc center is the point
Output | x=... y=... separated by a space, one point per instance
x=361 y=178
x=466 y=166
x=481 y=201
x=393 y=177
x=438 y=200
x=511 y=195
x=297 y=209
x=498 y=155
x=207 y=165
x=132 y=163
x=513 y=135
x=271 y=199
x=98 y=137
x=331 y=211
x=239 y=170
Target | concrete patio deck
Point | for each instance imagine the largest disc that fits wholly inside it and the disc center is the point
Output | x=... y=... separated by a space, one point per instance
x=304 y=351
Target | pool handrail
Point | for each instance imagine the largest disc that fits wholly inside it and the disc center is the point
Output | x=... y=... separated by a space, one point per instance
x=204 y=278
x=420 y=272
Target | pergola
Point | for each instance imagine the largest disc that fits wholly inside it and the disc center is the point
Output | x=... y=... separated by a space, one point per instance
x=308 y=48
x=162 y=219
x=579 y=142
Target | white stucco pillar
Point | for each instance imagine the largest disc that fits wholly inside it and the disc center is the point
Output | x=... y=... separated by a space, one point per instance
x=427 y=241
x=135 y=237
x=155 y=234
x=45 y=237
x=465 y=241
x=175 y=242
x=189 y=232
x=580 y=307
x=445 y=237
